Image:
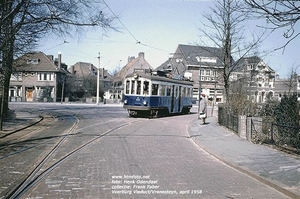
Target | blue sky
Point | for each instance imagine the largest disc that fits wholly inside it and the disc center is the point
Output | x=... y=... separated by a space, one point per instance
x=160 y=26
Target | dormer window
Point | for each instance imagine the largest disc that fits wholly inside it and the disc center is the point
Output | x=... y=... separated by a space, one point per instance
x=207 y=59
x=33 y=61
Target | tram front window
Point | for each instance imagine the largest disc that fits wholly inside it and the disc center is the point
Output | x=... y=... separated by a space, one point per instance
x=146 y=88
x=127 y=87
x=139 y=87
x=133 y=87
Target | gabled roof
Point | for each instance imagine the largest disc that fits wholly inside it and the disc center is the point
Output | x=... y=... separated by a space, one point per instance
x=83 y=70
x=164 y=66
x=36 y=62
x=254 y=61
x=192 y=53
x=137 y=63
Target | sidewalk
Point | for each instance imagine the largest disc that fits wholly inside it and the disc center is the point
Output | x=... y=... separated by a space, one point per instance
x=274 y=168
x=18 y=121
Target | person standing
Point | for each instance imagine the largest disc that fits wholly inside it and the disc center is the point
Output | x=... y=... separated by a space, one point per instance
x=203 y=108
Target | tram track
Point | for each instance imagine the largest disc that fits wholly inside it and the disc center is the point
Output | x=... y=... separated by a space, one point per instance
x=41 y=170
x=22 y=135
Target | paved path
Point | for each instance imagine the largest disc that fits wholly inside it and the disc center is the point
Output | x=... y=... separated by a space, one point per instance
x=275 y=168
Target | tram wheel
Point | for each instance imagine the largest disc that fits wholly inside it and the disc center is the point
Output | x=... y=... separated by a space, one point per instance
x=132 y=113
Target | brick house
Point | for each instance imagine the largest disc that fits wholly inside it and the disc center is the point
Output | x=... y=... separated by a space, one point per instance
x=258 y=76
x=37 y=77
x=82 y=71
x=190 y=60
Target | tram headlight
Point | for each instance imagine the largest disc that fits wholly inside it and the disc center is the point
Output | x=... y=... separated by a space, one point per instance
x=125 y=101
x=145 y=103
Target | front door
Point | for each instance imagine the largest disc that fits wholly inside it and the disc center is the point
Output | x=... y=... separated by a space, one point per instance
x=29 y=94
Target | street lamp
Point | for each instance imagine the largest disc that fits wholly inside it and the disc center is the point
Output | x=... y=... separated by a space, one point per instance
x=98 y=79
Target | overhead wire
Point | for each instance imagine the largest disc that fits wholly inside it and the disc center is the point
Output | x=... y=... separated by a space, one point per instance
x=136 y=40
x=57 y=45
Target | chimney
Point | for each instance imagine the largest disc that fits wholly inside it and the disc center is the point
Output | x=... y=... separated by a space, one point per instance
x=59 y=60
x=130 y=58
x=92 y=68
x=142 y=55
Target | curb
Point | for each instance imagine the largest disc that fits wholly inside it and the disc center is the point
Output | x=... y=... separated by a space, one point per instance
x=23 y=126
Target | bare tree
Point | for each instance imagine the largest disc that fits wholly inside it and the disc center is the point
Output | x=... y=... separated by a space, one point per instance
x=226 y=31
x=23 y=22
x=291 y=82
x=279 y=14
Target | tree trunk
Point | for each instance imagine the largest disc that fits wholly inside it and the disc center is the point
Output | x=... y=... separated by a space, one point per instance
x=7 y=50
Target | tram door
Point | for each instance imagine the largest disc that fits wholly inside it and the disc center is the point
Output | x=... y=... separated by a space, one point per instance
x=173 y=98
x=179 y=98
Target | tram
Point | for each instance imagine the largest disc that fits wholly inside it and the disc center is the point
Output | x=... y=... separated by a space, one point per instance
x=153 y=93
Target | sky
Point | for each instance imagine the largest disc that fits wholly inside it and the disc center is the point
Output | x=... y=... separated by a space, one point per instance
x=159 y=27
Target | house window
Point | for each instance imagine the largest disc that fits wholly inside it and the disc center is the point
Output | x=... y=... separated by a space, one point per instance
x=12 y=93
x=32 y=61
x=207 y=72
x=18 y=76
x=202 y=72
x=45 y=77
x=214 y=73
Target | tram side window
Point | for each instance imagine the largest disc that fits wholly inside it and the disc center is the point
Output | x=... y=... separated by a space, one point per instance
x=161 y=90
x=139 y=87
x=183 y=92
x=127 y=86
x=176 y=91
x=189 y=92
x=168 y=90
x=154 y=89
x=132 y=87
x=146 y=88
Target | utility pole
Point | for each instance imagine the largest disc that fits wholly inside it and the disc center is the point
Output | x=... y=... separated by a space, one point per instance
x=63 y=88
x=98 y=79
x=199 y=87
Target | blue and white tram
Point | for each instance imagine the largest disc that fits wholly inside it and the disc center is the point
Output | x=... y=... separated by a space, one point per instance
x=146 y=93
